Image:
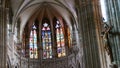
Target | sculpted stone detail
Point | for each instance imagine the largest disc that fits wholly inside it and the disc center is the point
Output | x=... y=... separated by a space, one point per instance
x=105 y=35
x=74 y=50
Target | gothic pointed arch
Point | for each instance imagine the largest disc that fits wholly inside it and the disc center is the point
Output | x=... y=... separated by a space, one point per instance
x=33 y=46
x=46 y=38
x=60 y=37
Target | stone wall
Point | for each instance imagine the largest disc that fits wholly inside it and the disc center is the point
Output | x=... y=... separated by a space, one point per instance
x=63 y=62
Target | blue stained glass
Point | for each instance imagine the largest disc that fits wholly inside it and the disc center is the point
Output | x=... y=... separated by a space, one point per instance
x=59 y=50
x=46 y=41
x=49 y=43
x=42 y=37
x=43 y=32
x=49 y=32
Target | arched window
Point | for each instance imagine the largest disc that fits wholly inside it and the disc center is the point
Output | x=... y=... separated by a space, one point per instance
x=46 y=40
x=33 y=43
x=59 y=30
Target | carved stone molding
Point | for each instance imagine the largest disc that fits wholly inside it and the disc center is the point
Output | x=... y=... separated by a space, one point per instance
x=63 y=62
x=75 y=50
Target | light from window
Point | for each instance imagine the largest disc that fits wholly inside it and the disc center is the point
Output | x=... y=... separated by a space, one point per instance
x=60 y=40
x=33 y=53
x=46 y=41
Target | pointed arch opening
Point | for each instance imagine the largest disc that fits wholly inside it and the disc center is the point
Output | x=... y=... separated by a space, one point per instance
x=59 y=37
x=33 y=46
x=46 y=39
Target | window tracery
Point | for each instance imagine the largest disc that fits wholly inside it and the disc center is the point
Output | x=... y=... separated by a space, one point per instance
x=33 y=53
x=46 y=40
x=60 y=39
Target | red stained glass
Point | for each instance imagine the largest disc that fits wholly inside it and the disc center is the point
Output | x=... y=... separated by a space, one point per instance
x=46 y=40
x=33 y=43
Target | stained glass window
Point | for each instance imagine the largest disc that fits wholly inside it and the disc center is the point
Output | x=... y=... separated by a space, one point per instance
x=51 y=35
x=46 y=41
x=33 y=43
x=60 y=40
x=69 y=37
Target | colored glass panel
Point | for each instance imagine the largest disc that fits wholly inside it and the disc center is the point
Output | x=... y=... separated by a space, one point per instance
x=46 y=41
x=60 y=40
x=33 y=43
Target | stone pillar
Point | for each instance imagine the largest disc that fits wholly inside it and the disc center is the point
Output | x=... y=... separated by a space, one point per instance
x=2 y=36
x=89 y=36
x=113 y=13
x=98 y=28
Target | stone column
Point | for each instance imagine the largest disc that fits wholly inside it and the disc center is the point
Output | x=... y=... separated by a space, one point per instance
x=89 y=36
x=113 y=13
x=2 y=36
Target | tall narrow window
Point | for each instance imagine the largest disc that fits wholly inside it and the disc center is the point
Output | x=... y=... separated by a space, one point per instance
x=60 y=40
x=69 y=37
x=33 y=43
x=46 y=41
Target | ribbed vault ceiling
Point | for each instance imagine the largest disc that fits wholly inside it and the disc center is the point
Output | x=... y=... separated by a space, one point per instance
x=61 y=8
